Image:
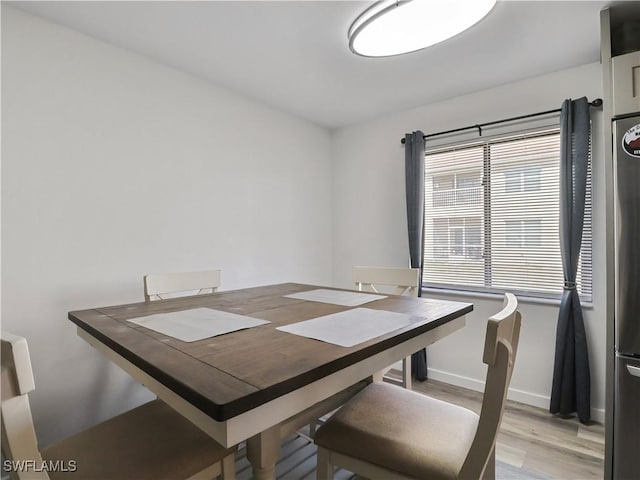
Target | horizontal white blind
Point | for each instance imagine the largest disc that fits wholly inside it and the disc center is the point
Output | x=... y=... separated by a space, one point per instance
x=492 y=217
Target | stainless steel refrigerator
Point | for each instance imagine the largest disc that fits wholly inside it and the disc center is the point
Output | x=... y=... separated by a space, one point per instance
x=626 y=429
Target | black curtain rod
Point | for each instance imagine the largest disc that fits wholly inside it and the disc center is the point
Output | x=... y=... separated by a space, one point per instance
x=596 y=103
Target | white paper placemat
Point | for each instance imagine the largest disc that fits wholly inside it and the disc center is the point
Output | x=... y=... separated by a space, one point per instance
x=196 y=324
x=336 y=297
x=351 y=327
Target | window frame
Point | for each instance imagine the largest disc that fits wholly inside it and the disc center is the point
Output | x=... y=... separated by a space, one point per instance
x=585 y=272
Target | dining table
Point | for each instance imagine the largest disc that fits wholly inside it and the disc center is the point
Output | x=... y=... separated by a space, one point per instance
x=306 y=351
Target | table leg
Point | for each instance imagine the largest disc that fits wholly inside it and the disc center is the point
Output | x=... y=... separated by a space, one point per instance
x=263 y=451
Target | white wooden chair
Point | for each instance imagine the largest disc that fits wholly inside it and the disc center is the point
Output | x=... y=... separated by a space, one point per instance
x=166 y=285
x=149 y=442
x=390 y=432
x=401 y=281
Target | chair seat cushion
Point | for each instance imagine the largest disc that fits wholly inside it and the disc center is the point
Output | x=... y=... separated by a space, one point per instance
x=149 y=442
x=403 y=431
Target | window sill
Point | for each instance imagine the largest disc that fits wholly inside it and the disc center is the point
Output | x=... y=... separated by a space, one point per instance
x=497 y=296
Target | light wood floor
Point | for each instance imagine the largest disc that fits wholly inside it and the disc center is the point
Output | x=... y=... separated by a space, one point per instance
x=532 y=444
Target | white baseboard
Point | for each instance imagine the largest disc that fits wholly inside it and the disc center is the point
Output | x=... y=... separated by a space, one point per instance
x=528 y=398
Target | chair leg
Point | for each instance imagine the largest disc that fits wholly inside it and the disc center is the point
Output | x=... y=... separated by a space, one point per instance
x=406 y=373
x=324 y=469
x=490 y=469
x=229 y=467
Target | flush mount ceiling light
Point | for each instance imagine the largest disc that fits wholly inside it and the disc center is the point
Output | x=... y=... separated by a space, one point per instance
x=393 y=27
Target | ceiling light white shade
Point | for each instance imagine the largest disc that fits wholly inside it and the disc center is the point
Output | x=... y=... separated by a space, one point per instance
x=393 y=27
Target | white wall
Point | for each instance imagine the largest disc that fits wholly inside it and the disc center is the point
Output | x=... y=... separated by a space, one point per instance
x=370 y=226
x=115 y=166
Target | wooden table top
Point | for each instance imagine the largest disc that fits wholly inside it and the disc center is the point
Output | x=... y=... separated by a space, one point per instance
x=230 y=374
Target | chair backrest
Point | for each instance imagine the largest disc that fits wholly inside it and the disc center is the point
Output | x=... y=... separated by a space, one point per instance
x=19 y=442
x=405 y=281
x=161 y=285
x=500 y=348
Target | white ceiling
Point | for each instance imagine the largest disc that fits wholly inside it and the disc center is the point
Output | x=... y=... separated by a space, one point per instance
x=293 y=55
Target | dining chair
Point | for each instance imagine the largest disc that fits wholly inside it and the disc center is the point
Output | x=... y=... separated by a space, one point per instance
x=391 y=432
x=150 y=442
x=400 y=281
x=164 y=285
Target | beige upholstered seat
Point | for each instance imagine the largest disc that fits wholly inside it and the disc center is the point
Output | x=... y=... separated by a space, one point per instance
x=403 y=281
x=388 y=432
x=164 y=285
x=149 y=442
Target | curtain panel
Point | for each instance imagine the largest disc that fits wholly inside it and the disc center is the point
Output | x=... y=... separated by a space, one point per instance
x=414 y=185
x=571 y=388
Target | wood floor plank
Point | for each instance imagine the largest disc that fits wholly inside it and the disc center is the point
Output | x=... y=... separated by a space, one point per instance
x=510 y=454
x=593 y=433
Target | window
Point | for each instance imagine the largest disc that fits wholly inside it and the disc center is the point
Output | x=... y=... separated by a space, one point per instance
x=522 y=178
x=492 y=215
x=458 y=188
x=457 y=237
x=522 y=233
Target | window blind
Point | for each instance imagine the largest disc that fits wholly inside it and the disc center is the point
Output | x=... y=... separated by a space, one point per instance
x=492 y=217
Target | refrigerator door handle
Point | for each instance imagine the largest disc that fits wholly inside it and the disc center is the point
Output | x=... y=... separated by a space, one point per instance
x=635 y=371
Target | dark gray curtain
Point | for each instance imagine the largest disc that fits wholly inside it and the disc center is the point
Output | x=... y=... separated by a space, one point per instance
x=414 y=181
x=571 y=378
